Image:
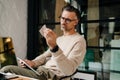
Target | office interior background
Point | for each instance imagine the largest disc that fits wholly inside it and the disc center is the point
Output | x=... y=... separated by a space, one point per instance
x=99 y=24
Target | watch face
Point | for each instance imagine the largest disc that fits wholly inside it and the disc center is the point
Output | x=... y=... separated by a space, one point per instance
x=55 y=49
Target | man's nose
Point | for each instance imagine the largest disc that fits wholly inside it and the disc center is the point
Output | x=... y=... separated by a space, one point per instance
x=63 y=22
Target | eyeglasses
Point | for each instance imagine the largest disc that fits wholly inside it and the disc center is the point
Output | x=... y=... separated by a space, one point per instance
x=67 y=20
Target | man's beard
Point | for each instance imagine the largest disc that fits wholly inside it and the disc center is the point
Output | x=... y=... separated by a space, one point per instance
x=65 y=28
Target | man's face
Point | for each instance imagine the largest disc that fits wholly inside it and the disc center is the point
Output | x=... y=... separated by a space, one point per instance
x=68 y=21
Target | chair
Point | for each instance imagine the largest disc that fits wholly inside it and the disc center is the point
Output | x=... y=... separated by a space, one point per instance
x=68 y=76
x=82 y=75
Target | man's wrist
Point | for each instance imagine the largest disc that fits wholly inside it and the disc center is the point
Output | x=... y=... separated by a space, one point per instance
x=55 y=49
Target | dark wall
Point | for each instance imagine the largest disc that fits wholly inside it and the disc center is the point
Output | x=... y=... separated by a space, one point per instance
x=32 y=37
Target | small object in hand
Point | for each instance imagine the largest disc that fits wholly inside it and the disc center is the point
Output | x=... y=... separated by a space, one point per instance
x=42 y=30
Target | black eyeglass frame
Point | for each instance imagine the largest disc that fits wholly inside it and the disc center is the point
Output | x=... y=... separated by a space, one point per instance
x=67 y=20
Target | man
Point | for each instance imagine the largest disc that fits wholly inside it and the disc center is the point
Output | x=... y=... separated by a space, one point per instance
x=64 y=55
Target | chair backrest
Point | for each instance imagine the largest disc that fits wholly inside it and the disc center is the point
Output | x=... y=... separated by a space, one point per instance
x=84 y=75
x=64 y=77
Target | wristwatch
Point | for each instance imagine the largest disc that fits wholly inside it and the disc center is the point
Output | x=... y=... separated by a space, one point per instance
x=55 y=49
